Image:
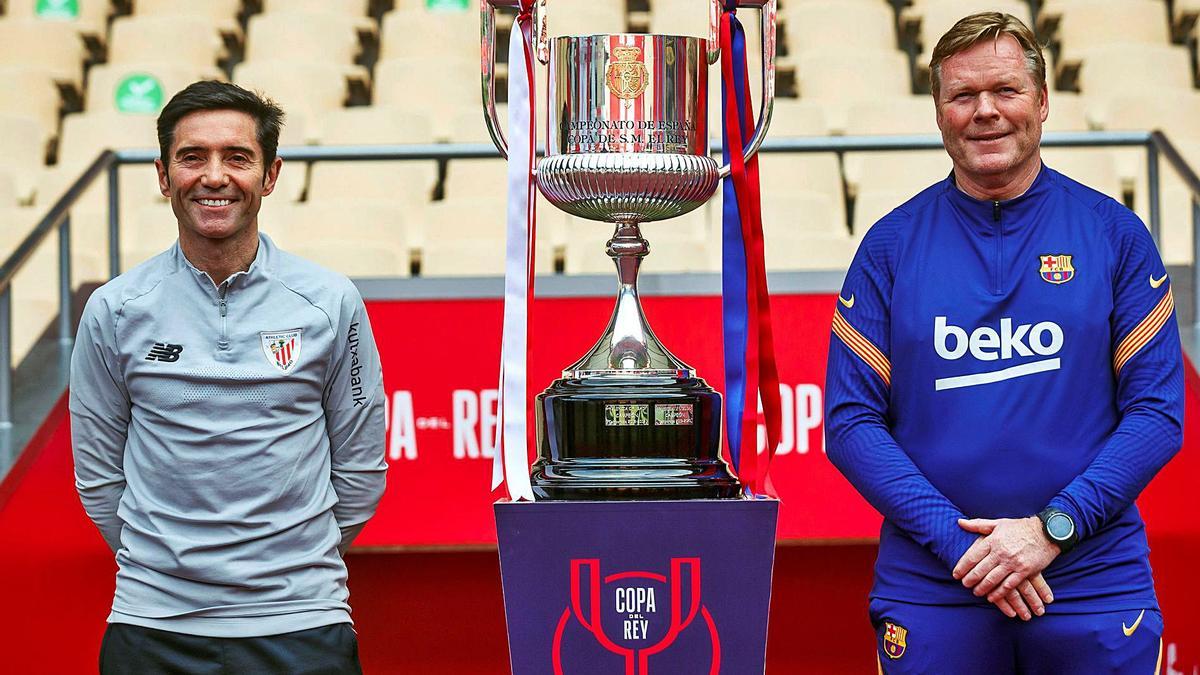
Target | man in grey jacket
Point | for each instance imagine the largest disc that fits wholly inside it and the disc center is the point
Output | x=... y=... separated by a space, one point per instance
x=227 y=420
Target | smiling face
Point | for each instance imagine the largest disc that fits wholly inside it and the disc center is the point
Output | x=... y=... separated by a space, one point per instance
x=990 y=110
x=215 y=177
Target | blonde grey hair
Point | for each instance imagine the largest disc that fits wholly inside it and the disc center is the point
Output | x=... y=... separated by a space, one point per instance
x=973 y=29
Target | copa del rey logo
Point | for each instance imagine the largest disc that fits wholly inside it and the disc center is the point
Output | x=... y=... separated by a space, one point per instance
x=282 y=348
x=635 y=615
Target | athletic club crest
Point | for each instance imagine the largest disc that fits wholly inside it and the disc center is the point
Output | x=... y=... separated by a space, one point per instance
x=1056 y=269
x=282 y=348
x=626 y=77
x=895 y=639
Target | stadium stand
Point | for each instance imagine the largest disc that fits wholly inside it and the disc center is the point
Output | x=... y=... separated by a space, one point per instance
x=88 y=18
x=24 y=145
x=190 y=40
x=55 y=46
x=141 y=88
x=29 y=91
x=221 y=13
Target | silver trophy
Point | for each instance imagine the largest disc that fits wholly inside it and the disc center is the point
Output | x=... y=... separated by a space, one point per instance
x=627 y=143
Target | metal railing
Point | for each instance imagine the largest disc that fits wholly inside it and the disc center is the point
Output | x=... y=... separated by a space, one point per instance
x=1156 y=145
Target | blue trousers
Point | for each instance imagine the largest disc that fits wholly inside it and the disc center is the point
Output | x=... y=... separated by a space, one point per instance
x=130 y=650
x=976 y=640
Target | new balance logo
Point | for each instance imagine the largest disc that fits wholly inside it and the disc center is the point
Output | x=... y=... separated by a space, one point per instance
x=165 y=352
x=987 y=344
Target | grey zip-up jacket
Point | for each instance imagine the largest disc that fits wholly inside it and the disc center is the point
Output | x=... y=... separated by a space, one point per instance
x=228 y=441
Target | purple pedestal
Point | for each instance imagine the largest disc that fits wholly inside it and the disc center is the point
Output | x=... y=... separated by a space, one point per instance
x=634 y=588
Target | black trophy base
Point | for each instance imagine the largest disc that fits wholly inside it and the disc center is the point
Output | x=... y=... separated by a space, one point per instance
x=607 y=438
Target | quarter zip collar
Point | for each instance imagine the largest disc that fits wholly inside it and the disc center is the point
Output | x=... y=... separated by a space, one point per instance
x=258 y=267
x=986 y=215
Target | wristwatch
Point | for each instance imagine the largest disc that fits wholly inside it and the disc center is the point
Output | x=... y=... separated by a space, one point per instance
x=1059 y=528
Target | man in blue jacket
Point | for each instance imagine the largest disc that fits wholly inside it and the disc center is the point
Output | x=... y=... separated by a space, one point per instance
x=1004 y=379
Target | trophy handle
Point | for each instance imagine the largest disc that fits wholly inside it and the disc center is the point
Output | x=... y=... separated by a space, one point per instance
x=487 y=54
x=767 y=24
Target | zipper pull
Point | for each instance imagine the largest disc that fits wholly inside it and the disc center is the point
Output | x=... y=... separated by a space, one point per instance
x=996 y=211
x=224 y=307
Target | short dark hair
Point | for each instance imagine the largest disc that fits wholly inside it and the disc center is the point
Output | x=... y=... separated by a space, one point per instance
x=215 y=95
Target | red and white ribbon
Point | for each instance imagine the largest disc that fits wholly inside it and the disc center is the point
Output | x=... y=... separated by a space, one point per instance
x=511 y=463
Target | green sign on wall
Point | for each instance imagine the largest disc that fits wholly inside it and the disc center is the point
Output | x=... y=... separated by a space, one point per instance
x=447 y=5
x=57 y=9
x=139 y=93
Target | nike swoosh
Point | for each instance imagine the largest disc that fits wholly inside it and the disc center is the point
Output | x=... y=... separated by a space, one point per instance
x=846 y=303
x=1159 y=282
x=1129 y=631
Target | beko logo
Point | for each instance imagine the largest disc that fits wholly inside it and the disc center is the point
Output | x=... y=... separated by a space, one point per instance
x=989 y=344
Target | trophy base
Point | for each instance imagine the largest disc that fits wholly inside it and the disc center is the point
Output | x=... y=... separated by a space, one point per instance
x=628 y=437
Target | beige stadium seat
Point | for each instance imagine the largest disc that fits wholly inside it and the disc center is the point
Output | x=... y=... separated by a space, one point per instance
x=1068 y=112
x=222 y=13
x=91 y=20
x=905 y=171
x=588 y=17
x=681 y=17
x=820 y=172
x=478 y=179
x=142 y=88
x=839 y=27
x=935 y=17
x=46 y=44
x=150 y=230
x=911 y=114
x=1176 y=244
x=84 y=135
x=1177 y=113
x=823 y=77
x=790 y=117
x=1086 y=24
x=872 y=204
x=809 y=251
x=29 y=91
x=427 y=84
x=24 y=152
x=466 y=238
x=407 y=183
x=1118 y=69
x=468 y=126
x=1094 y=167
x=16 y=222
x=355 y=8
x=322 y=37
x=309 y=89
x=411 y=33
x=801 y=212
x=8 y=190
x=188 y=40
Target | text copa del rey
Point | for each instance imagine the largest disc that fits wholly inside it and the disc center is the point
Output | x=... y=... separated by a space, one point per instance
x=627 y=131
x=472 y=422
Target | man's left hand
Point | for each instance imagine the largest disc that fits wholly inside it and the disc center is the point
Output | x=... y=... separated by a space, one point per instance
x=1010 y=551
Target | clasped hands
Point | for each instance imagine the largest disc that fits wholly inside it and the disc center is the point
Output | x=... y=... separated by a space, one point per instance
x=1006 y=564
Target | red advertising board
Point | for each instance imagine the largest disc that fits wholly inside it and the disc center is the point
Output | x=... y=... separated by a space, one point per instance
x=440 y=364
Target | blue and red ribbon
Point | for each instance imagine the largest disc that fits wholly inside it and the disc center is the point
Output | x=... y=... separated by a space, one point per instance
x=750 y=369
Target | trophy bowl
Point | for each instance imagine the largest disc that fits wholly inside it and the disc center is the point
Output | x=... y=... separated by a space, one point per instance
x=627 y=143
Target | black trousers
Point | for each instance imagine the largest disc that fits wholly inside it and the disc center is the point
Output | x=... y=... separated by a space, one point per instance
x=133 y=650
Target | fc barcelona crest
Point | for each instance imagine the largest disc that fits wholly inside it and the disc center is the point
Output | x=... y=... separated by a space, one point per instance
x=626 y=77
x=1056 y=269
x=282 y=348
x=895 y=639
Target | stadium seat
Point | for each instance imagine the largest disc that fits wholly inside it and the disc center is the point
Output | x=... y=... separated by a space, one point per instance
x=356 y=8
x=680 y=17
x=1068 y=112
x=309 y=89
x=791 y=117
x=46 y=44
x=8 y=190
x=29 y=91
x=676 y=245
x=468 y=126
x=1177 y=113
x=408 y=184
x=24 y=153
x=790 y=250
x=909 y=172
x=802 y=212
x=141 y=88
x=588 y=17
x=445 y=87
x=873 y=203
x=221 y=13
x=91 y=18
x=483 y=179
x=466 y=238
x=875 y=73
x=820 y=172
x=187 y=40
x=911 y=114
x=408 y=33
x=838 y=27
x=1094 y=167
x=321 y=37
x=1087 y=24
x=1118 y=69
x=84 y=135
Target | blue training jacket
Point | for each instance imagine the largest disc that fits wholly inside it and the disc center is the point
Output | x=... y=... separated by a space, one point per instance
x=991 y=358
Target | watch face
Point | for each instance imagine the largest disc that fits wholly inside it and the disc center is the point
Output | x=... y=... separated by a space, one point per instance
x=1060 y=526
